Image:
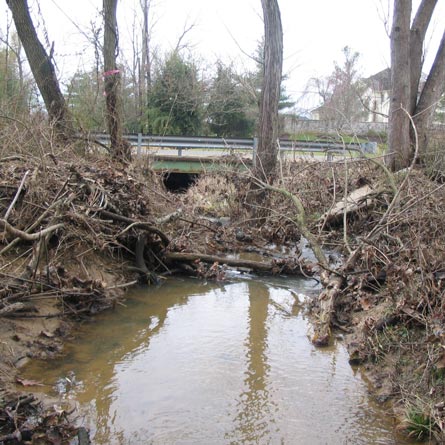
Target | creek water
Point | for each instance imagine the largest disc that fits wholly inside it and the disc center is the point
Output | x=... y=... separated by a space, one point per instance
x=230 y=363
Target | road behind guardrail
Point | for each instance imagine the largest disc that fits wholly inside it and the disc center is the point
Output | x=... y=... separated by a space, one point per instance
x=232 y=145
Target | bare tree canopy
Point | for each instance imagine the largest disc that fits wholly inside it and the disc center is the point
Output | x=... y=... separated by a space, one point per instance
x=341 y=92
x=266 y=156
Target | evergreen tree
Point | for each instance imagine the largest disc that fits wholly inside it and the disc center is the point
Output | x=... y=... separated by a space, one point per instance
x=228 y=106
x=14 y=93
x=176 y=98
x=86 y=101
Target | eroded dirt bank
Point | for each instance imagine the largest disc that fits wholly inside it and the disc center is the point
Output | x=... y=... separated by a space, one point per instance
x=77 y=231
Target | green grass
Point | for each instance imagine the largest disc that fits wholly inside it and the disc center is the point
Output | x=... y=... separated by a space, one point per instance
x=312 y=137
x=419 y=425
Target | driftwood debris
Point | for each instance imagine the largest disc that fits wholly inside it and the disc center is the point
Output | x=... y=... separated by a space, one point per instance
x=5 y=311
x=322 y=329
x=256 y=266
x=28 y=236
x=360 y=198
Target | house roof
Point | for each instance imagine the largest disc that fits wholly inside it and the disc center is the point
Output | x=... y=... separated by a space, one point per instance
x=380 y=81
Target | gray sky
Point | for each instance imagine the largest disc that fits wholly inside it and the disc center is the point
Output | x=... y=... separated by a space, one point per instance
x=315 y=31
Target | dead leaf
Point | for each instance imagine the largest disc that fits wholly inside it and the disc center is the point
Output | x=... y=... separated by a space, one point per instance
x=365 y=303
x=440 y=364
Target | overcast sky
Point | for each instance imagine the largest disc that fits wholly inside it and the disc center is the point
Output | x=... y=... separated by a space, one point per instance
x=315 y=31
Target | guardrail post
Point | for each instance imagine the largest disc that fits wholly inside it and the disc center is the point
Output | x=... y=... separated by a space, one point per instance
x=179 y=151
x=254 y=151
x=139 y=152
x=281 y=151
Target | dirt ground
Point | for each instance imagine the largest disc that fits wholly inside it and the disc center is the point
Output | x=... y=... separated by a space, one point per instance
x=102 y=227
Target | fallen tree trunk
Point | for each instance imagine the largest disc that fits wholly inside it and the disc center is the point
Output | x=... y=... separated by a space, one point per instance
x=257 y=266
x=322 y=328
x=363 y=197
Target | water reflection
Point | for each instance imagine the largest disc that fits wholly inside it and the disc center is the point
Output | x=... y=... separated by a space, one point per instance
x=213 y=364
x=255 y=406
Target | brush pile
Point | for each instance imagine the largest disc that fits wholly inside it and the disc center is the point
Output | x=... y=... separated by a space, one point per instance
x=58 y=219
x=76 y=231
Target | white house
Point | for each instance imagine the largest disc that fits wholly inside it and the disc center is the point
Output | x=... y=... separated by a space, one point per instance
x=376 y=97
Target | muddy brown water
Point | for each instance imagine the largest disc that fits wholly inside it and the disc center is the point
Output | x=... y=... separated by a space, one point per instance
x=231 y=363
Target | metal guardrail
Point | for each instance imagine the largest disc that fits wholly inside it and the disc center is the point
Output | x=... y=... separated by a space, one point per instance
x=181 y=143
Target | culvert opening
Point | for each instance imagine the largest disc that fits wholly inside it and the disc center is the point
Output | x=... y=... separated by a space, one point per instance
x=179 y=182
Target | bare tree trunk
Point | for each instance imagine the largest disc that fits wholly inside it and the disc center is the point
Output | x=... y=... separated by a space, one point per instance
x=417 y=37
x=42 y=68
x=399 y=124
x=6 y=67
x=407 y=46
x=432 y=91
x=266 y=156
x=120 y=148
x=146 y=61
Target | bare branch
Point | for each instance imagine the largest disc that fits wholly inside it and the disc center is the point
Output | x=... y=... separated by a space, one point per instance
x=185 y=31
x=16 y=195
x=28 y=236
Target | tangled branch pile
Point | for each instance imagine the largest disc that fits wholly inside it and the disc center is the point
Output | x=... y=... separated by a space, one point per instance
x=57 y=220
x=393 y=290
x=76 y=232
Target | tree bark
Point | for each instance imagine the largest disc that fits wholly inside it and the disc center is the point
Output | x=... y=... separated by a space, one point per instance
x=417 y=37
x=42 y=69
x=407 y=45
x=257 y=266
x=120 y=149
x=266 y=155
x=146 y=61
x=399 y=123
x=432 y=91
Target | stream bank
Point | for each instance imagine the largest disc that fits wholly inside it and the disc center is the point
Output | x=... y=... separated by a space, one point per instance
x=389 y=306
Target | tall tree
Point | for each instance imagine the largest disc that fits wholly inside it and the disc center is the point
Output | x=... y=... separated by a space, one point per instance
x=137 y=78
x=227 y=112
x=176 y=98
x=42 y=68
x=341 y=91
x=252 y=83
x=430 y=96
x=85 y=102
x=408 y=97
x=266 y=155
x=398 y=137
x=146 y=57
x=120 y=148
x=14 y=95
